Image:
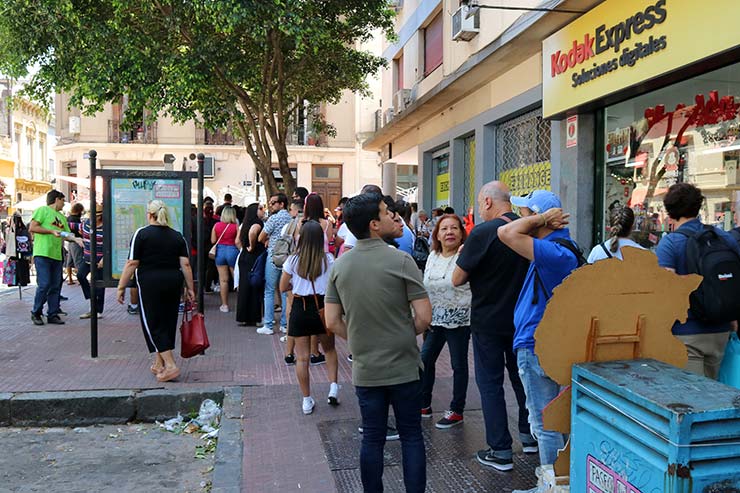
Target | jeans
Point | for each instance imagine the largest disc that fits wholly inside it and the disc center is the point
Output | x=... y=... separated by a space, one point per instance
x=82 y=273
x=458 y=340
x=405 y=399
x=492 y=353
x=49 y=285
x=540 y=390
x=272 y=278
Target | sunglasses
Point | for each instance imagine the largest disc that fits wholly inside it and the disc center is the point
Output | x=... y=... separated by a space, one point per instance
x=273 y=202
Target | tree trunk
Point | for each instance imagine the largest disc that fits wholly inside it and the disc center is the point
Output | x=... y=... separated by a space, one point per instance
x=268 y=179
x=288 y=181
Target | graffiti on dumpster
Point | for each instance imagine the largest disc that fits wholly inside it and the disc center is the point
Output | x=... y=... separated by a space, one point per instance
x=601 y=479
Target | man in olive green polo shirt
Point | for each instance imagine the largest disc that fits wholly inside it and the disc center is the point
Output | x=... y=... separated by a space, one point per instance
x=49 y=228
x=375 y=287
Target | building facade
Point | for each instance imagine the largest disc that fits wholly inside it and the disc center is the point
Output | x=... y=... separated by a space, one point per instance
x=474 y=94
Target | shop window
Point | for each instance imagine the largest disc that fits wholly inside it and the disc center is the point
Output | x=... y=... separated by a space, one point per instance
x=523 y=153
x=469 y=172
x=441 y=175
x=687 y=132
x=433 y=45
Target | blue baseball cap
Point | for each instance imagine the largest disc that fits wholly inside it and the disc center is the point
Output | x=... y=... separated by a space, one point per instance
x=538 y=201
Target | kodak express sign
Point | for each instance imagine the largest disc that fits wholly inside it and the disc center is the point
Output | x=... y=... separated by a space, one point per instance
x=621 y=43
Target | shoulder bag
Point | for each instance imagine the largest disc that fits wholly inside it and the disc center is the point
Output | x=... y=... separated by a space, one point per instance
x=212 y=251
x=322 y=316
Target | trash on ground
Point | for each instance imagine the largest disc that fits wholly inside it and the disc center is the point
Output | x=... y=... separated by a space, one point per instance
x=206 y=422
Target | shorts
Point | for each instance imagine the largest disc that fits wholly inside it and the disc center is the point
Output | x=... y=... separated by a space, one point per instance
x=226 y=255
x=304 y=317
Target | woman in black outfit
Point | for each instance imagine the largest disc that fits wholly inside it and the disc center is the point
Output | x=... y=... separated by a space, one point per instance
x=249 y=301
x=160 y=262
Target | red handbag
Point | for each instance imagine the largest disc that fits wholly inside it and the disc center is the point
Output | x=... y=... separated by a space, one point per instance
x=193 y=335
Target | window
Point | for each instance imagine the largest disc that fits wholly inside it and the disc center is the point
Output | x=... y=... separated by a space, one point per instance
x=433 y=45
x=441 y=174
x=523 y=153
x=469 y=171
x=686 y=132
x=398 y=66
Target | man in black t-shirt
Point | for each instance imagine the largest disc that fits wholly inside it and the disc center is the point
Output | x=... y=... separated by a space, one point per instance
x=496 y=274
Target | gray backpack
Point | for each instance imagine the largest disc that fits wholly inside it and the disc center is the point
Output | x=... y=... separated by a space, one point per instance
x=285 y=245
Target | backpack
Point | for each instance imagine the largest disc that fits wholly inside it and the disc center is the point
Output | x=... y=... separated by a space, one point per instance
x=285 y=245
x=257 y=273
x=717 y=299
x=420 y=252
x=575 y=250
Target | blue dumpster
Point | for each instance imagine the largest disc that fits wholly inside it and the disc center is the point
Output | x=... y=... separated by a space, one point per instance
x=642 y=426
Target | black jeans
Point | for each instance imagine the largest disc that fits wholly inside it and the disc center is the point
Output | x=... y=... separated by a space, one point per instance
x=458 y=341
x=82 y=274
x=374 y=401
x=493 y=353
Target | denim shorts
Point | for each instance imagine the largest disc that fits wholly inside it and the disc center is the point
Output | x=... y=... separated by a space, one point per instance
x=226 y=255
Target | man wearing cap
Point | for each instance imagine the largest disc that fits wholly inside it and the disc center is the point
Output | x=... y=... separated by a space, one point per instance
x=537 y=236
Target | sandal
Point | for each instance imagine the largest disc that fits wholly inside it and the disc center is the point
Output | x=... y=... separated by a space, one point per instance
x=156 y=369
x=168 y=375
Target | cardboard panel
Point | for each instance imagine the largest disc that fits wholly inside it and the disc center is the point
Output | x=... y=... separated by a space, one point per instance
x=556 y=415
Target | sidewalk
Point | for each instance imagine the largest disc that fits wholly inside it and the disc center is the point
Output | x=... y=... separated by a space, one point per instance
x=283 y=449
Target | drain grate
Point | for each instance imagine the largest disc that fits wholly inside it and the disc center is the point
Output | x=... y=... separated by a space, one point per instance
x=451 y=462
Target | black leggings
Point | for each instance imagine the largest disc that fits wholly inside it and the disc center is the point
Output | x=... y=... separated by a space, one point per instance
x=160 y=292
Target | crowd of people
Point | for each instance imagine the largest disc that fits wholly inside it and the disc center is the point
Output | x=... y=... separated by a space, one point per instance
x=355 y=274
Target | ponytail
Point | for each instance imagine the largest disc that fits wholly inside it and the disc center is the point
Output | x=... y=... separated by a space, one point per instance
x=621 y=220
x=157 y=209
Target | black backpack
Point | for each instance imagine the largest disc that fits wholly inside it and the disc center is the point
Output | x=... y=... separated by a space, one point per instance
x=717 y=299
x=575 y=250
x=420 y=253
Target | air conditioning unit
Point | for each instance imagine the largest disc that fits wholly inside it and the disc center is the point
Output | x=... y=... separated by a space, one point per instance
x=401 y=100
x=464 y=28
x=388 y=116
x=209 y=167
x=395 y=4
x=74 y=124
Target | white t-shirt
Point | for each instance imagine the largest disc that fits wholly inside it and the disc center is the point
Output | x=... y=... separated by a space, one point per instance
x=301 y=286
x=450 y=304
x=349 y=239
x=598 y=253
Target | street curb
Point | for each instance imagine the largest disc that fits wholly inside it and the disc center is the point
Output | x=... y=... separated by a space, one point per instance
x=84 y=408
x=227 y=471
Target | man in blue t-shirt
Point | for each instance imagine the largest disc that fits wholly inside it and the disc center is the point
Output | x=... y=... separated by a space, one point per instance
x=535 y=237
x=705 y=341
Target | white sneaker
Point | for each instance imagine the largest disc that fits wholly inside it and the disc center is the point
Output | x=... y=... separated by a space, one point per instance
x=224 y=308
x=308 y=404
x=333 y=398
x=283 y=338
x=265 y=331
x=283 y=329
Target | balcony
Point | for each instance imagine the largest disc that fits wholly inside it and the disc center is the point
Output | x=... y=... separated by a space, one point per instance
x=207 y=137
x=142 y=133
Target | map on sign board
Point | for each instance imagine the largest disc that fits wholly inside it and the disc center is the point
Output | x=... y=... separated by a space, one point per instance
x=129 y=199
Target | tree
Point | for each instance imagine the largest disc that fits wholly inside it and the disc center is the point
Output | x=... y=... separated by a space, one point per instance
x=245 y=64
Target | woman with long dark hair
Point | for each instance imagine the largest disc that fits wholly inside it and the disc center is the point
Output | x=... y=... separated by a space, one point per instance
x=249 y=299
x=306 y=273
x=621 y=220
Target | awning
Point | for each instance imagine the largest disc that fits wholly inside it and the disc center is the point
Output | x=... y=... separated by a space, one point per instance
x=638 y=195
x=82 y=182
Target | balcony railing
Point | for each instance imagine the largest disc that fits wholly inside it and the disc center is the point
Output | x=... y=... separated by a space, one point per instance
x=207 y=137
x=145 y=133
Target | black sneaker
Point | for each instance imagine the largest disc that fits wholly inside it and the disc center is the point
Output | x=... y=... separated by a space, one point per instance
x=488 y=458
x=63 y=298
x=391 y=433
x=36 y=319
x=349 y=358
x=317 y=359
x=530 y=447
x=132 y=310
x=55 y=319
x=290 y=359
x=62 y=312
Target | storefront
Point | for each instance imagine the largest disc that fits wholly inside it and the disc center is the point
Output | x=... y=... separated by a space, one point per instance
x=660 y=80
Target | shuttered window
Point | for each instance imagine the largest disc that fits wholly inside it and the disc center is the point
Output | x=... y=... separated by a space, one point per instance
x=433 y=45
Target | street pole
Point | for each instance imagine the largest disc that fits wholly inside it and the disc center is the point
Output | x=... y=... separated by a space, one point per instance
x=200 y=263
x=93 y=255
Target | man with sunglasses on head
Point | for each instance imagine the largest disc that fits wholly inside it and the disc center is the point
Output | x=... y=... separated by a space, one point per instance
x=279 y=217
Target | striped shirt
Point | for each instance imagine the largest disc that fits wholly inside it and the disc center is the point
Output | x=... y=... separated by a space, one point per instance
x=86 y=232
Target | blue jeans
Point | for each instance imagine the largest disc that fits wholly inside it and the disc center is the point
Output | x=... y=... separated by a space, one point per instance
x=49 y=285
x=272 y=279
x=540 y=390
x=406 y=401
x=82 y=274
x=458 y=341
x=493 y=353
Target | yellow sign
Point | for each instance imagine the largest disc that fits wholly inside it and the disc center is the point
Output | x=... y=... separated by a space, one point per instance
x=622 y=43
x=528 y=178
x=442 y=197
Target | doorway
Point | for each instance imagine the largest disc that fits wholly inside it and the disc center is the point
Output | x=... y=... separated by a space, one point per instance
x=326 y=180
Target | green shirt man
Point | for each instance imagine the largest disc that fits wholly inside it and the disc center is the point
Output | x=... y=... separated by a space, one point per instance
x=49 y=243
